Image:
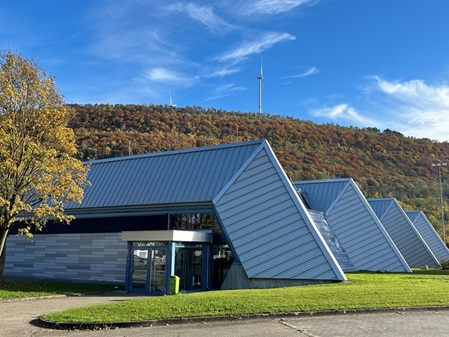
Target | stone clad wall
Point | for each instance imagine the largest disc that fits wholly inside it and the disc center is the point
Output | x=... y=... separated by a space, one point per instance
x=87 y=257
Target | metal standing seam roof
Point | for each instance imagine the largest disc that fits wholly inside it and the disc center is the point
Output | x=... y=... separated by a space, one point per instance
x=404 y=234
x=174 y=177
x=358 y=229
x=429 y=234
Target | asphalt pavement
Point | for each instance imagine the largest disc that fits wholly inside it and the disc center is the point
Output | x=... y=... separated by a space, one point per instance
x=17 y=318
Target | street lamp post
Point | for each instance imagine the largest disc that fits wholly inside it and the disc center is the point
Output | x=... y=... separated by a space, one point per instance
x=440 y=165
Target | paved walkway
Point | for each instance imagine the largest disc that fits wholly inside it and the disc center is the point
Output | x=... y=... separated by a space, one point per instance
x=15 y=318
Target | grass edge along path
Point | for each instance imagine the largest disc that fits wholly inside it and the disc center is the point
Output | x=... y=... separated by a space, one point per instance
x=27 y=289
x=363 y=291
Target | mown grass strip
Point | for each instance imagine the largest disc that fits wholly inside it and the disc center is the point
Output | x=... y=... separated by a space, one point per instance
x=14 y=289
x=364 y=291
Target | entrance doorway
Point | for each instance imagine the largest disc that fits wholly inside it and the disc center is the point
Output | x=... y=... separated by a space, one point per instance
x=155 y=256
x=189 y=266
x=148 y=270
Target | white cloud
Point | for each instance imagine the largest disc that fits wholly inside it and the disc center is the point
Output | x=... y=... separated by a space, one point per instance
x=246 y=49
x=275 y=6
x=119 y=33
x=224 y=91
x=308 y=72
x=414 y=107
x=416 y=91
x=160 y=45
x=163 y=75
x=203 y=14
x=341 y=111
x=221 y=72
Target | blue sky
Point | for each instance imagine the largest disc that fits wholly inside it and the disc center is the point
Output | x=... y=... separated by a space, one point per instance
x=370 y=63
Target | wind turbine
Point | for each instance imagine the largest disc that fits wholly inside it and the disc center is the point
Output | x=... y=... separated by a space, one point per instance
x=171 y=102
x=260 y=79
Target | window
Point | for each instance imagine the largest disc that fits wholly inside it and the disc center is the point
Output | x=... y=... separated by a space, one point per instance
x=192 y=221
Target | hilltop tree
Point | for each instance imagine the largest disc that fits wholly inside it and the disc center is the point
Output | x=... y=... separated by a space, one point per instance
x=38 y=171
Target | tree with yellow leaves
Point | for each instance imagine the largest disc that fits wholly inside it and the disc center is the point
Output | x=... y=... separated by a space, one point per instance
x=38 y=171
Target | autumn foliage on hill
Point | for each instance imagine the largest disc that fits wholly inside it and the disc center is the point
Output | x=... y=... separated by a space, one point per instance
x=383 y=164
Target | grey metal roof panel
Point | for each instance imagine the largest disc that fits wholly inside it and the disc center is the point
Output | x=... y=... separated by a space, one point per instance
x=269 y=229
x=429 y=234
x=184 y=176
x=404 y=234
x=321 y=193
x=413 y=215
x=380 y=206
x=359 y=231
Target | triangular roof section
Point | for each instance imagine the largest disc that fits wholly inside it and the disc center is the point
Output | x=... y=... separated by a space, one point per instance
x=360 y=232
x=429 y=234
x=268 y=225
x=244 y=182
x=404 y=234
x=173 y=177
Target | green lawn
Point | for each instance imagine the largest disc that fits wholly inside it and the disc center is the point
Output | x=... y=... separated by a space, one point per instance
x=363 y=291
x=21 y=289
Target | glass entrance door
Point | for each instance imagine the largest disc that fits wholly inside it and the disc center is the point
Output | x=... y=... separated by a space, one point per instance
x=149 y=270
x=157 y=271
x=139 y=270
x=189 y=267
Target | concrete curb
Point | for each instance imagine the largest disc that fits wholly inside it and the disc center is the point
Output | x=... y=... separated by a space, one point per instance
x=146 y=323
x=24 y=299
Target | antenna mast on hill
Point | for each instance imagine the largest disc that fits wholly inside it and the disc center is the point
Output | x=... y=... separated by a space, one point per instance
x=260 y=79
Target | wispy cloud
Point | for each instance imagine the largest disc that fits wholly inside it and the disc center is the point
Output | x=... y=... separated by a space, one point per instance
x=158 y=45
x=414 y=107
x=257 y=46
x=203 y=14
x=341 y=112
x=308 y=72
x=416 y=91
x=163 y=75
x=271 y=7
x=224 y=91
x=117 y=33
x=221 y=72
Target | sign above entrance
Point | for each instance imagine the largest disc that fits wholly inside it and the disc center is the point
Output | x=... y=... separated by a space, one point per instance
x=169 y=235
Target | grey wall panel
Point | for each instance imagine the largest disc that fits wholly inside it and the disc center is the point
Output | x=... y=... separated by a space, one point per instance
x=260 y=213
x=429 y=234
x=94 y=257
x=360 y=232
x=404 y=234
x=362 y=235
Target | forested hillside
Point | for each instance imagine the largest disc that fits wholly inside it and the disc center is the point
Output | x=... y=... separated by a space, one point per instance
x=384 y=164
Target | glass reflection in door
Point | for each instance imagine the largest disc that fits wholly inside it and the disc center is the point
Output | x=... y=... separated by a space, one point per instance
x=148 y=270
x=188 y=266
x=157 y=270
x=140 y=269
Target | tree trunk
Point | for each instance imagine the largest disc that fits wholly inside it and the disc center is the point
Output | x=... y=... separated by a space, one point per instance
x=3 y=236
